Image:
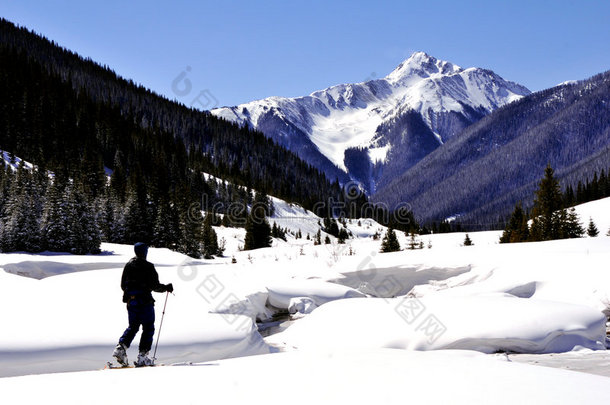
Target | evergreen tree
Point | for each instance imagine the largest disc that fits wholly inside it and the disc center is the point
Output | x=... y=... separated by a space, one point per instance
x=21 y=219
x=592 y=230
x=210 y=239
x=54 y=227
x=258 y=233
x=189 y=217
x=517 y=229
x=413 y=242
x=134 y=220
x=547 y=223
x=277 y=232
x=390 y=242
x=166 y=232
x=343 y=236
x=262 y=200
x=570 y=224
x=331 y=227
x=317 y=240
x=84 y=236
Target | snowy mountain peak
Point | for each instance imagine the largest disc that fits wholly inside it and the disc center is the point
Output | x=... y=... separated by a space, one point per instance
x=345 y=130
x=421 y=65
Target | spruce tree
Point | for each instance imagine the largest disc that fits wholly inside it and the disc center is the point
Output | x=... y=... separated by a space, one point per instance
x=209 y=237
x=258 y=233
x=413 y=242
x=262 y=200
x=517 y=229
x=317 y=240
x=54 y=226
x=570 y=224
x=166 y=232
x=547 y=223
x=85 y=236
x=134 y=220
x=390 y=242
x=22 y=215
x=592 y=230
x=343 y=236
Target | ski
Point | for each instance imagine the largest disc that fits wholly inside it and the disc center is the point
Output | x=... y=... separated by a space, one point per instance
x=111 y=366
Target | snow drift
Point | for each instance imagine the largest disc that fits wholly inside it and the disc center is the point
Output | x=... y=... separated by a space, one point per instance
x=487 y=323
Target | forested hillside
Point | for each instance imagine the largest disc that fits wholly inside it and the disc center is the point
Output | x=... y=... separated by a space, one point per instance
x=63 y=112
x=81 y=123
x=480 y=175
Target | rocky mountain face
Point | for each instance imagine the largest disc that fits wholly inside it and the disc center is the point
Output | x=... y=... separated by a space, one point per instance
x=372 y=132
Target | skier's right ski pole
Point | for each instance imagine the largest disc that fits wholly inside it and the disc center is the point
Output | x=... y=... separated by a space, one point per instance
x=160 y=326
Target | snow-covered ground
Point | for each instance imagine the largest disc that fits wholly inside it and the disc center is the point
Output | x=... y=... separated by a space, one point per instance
x=380 y=376
x=383 y=328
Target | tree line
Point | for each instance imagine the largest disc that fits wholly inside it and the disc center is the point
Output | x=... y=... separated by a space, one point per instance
x=549 y=218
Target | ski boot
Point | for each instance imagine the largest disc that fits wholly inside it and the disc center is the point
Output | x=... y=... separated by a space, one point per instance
x=144 y=360
x=120 y=354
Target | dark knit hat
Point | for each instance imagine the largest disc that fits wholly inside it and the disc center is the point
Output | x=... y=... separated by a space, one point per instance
x=141 y=249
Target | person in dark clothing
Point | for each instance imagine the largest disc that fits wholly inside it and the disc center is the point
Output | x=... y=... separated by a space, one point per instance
x=138 y=282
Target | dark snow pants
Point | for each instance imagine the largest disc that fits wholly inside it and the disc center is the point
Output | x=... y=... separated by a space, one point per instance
x=140 y=314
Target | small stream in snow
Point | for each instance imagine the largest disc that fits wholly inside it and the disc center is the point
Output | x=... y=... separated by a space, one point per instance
x=382 y=282
x=396 y=281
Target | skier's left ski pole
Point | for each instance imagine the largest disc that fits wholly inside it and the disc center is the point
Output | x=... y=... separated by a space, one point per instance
x=160 y=326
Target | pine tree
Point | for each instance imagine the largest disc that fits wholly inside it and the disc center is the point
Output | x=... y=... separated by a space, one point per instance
x=22 y=215
x=317 y=240
x=343 y=236
x=85 y=236
x=277 y=232
x=548 y=202
x=517 y=229
x=413 y=242
x=134 y=221
x=331 y=227
x=262 y=200
x=592 y=230
x=210 y=239
x=570 y=224
x=258 y=233
x=390 y=242
x=54 y=226
x=166 y=232
x=189 y=217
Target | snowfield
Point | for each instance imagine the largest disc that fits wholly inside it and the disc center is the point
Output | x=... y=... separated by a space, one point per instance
x=383 y=376
x=444 y=324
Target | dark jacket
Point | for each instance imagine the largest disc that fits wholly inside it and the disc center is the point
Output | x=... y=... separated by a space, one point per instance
x=138 y=281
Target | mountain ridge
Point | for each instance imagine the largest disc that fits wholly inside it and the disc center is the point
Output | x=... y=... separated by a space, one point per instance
x=322 y=126
x=499 y=160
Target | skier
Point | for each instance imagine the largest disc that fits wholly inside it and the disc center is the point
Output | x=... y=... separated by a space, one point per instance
x=138 y=281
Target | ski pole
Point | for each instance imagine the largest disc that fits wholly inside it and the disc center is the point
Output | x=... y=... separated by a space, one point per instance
x=160 y=326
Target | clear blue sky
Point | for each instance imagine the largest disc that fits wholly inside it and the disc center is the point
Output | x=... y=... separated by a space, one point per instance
x=246 y=50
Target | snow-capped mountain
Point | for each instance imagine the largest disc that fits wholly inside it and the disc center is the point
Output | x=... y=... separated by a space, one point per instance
x=377 y=129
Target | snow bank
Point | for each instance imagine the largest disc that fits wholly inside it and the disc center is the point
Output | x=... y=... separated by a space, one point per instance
x=73 y=321
x=318 y=291
x=379 y=376
x=484 y=323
